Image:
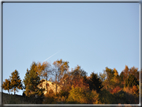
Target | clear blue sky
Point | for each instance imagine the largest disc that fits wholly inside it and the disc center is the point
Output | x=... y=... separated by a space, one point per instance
x=91 y=35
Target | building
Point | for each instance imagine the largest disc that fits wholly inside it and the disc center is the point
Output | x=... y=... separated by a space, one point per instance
x=49 y=87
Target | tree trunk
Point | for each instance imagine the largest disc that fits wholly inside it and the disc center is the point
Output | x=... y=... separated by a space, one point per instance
x=56 y=84
x=56 y=88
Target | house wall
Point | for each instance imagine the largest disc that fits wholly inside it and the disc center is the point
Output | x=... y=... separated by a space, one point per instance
x=50 y=86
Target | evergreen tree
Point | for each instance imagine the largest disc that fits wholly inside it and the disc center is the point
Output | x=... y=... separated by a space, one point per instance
x=15 y=81
x=31 y=81
x=95 y=82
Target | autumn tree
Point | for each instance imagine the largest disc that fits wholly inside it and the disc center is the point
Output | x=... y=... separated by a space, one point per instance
x=15 y=81
x=60 y=68
x=66 y=81
x=77 y=75
x=127 y=71
x=108 y=83
x=42 y=69
x=6 y=85
x=83 y=96
x=77 y=78
x=31 y=81
x=78 y=72
x=134 y=71
x=112 y=79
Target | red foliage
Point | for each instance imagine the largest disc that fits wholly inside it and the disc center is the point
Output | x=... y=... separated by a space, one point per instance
x=115 y=90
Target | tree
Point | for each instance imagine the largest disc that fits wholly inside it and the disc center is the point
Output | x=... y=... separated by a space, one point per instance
x=78 y=77
x=108 y=83
x=131 y=81
x=116 y=78
x=40 y=69
x=78 y=72
x=15 y=81
x=31 y=81
x=83 y=96
x=46 y=72
x=6 y=85
x=134 y=71
x=94 y=82
x=127 y=71
x=60 y=69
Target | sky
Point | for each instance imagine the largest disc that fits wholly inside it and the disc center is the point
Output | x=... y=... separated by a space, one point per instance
x=91 y=35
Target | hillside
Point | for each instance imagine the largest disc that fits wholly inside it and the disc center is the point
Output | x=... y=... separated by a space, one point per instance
x=18 y=99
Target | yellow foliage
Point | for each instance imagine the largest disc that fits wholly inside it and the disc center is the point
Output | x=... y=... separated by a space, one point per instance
x=115 y=72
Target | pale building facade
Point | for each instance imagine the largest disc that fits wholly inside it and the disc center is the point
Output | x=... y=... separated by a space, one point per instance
x=49 y=86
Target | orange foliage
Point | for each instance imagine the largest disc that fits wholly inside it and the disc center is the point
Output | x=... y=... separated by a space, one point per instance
x=128 y=90
x=135 y=89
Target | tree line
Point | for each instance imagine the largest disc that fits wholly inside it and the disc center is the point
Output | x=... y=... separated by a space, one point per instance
x=77 y=87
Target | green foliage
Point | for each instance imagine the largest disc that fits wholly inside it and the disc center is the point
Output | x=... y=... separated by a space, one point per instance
x=77 y=94
x=108 y=82
x=112 y=79
x=6 y=85
x=131 y=81
x=15 y=81
x=83 y=96
x=31 y=81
